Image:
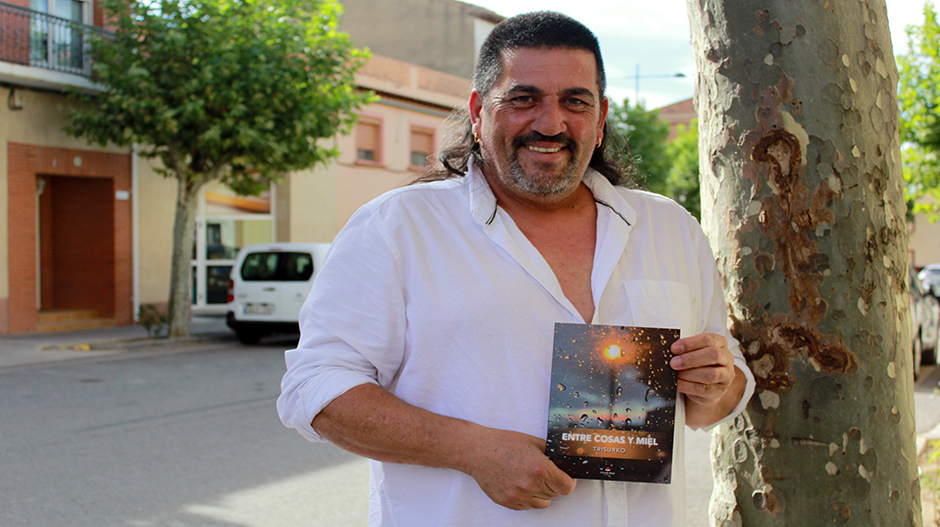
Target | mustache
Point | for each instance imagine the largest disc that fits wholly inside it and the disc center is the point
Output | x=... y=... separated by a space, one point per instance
x=535 y=137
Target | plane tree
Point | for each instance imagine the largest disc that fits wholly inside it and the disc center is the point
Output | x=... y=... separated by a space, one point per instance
x=803 y=201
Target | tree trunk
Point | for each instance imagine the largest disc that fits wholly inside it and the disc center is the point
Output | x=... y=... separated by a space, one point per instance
x=802 y=201
x=181 y=283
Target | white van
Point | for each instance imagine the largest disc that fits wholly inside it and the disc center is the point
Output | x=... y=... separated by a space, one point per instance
x=268 y=286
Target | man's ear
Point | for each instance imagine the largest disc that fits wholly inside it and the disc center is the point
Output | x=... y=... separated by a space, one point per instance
x=605 y=105
x=476 y=108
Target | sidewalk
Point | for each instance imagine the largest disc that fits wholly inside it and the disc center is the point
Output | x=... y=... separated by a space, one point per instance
x=36 y=348
x=926 y=401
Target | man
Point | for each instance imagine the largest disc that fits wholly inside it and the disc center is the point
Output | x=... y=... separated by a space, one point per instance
x=427 y=340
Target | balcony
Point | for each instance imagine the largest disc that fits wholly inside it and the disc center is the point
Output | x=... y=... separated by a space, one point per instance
x=44 y=51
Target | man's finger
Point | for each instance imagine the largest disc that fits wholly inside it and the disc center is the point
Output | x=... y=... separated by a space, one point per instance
x=697 y=342
x=703 y=358
x=702 y=392
x=561 y=485
x=539 y=503
x=708 y=375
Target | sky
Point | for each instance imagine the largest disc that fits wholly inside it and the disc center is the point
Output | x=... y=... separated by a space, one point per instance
x=652 y=37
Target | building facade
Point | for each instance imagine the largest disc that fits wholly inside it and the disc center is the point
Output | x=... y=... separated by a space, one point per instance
x=444 y=35
x=57 y=261
x=85 y=231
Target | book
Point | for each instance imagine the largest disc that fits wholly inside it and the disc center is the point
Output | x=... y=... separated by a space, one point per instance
x=612 y=409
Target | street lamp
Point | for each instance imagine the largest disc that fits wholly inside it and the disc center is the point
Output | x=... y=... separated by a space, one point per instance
x=637 y=77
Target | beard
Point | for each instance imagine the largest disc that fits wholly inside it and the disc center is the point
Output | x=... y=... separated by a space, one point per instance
x=541 y=184
x=545 y=180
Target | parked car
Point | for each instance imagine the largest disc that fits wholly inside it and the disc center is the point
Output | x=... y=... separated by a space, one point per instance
x=268 y=285
x=930 y=278
x=925 y=318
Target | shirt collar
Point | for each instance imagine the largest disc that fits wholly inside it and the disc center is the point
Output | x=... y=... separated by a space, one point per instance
x=483 y=201
x=606 y=194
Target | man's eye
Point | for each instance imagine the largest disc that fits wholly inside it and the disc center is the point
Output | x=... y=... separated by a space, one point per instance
x=576 y=102
x=523 y=99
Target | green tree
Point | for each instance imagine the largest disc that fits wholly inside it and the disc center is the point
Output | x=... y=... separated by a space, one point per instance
x=682 y=182
x=232 y=90
x=919 y=98
x=639 y=137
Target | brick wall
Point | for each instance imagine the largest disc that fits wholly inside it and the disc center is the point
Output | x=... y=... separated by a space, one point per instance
x=97 y=16
x=22 y=236
x=14 y=33
x=82 y=185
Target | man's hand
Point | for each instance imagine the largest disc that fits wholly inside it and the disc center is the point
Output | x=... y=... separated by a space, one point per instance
x=708 y=377
x=705 y=366
x=512 y=469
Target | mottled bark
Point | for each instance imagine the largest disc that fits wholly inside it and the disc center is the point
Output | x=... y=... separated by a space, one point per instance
x=802 y=200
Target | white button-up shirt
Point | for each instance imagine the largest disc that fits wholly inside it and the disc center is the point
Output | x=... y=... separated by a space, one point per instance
x=432 y=292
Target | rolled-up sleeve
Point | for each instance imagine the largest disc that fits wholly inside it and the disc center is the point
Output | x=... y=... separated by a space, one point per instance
x=352 y=325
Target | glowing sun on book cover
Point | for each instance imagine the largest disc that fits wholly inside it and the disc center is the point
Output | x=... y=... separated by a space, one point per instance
x=613 y=402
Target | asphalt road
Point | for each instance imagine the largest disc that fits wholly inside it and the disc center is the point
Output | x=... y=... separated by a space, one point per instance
x=179 y=438
x=166 y=439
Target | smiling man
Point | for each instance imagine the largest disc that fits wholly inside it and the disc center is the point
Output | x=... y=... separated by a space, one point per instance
x=539 y=126
x=427 y=339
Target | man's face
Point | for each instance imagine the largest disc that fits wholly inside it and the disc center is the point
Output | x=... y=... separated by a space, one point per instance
x=541 y=121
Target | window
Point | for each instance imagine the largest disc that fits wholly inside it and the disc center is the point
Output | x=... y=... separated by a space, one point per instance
x=277 y=267
x=422 y=146
x=58 y=41
x=368 y=141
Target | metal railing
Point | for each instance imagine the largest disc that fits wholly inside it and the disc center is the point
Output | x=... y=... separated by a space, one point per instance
x=41 y=40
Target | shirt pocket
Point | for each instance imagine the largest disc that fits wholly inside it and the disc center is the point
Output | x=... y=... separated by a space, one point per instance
x=661 y=304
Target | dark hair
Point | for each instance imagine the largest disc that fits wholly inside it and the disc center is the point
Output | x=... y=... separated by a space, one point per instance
x=540 y=29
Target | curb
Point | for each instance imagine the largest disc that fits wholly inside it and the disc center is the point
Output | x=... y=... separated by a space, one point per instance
x=143 y=344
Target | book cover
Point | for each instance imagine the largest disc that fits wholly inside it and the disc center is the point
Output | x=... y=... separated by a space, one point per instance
x=613 y=402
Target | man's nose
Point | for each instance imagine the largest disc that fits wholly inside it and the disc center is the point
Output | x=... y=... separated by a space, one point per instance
x=550 y=119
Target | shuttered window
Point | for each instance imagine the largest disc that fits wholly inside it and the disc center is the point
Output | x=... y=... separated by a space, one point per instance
x=367 y=141
x=422 y=146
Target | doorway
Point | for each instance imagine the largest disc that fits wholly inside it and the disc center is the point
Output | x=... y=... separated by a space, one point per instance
x=76 y=251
